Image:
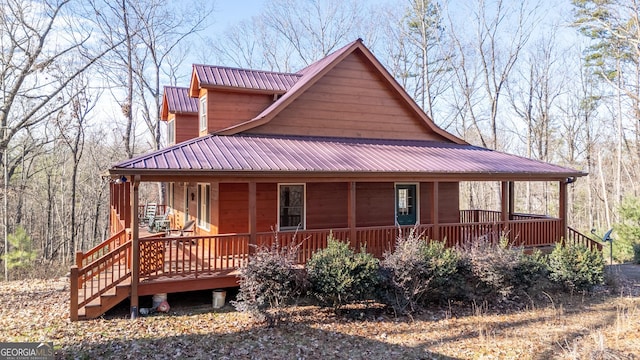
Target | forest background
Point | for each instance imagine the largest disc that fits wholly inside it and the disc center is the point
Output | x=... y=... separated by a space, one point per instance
x=82 y=81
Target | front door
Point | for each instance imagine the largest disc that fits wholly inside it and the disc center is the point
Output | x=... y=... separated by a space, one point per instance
x=406 y=204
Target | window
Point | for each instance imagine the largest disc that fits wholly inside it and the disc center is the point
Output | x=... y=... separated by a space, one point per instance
x=204 y=207
x=203 y=113
x=171 y=132
x=291 y=206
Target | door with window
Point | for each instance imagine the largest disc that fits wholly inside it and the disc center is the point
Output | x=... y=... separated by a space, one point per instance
x=406 y=204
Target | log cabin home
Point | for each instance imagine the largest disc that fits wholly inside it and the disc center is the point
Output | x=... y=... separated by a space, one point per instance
x=338 y=146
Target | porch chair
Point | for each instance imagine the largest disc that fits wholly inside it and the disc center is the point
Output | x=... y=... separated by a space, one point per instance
x=160 y=223
x=148 y=214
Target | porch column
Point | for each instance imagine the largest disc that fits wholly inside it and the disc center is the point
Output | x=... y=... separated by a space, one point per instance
x=435 y=214
x=351 y=212
x=135 y=247
x=252 y=216
x=505 y=203
x=562 y=209
x=511 y=199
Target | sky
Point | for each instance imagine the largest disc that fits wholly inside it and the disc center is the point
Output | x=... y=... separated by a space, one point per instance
x=229 y=12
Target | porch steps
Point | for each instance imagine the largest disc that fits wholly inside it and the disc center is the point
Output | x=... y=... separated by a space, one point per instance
x=105 y=302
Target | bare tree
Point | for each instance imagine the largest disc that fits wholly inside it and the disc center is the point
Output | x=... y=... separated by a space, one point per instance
x=29 y=81
x=487 y=59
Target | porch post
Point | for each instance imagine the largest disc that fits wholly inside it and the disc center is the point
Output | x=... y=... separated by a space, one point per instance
x=435 y=214
x=252 y=216
x=135 y=248
x=562 y=209
x=504 y=213
x=351 y=212
x=511 y=199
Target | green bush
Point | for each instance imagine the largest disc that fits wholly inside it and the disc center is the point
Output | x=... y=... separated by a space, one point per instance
x=576 y=267
x=627 y=230
x=338 y=276
x=20 y=255
x=269 y=281
x=413 y=269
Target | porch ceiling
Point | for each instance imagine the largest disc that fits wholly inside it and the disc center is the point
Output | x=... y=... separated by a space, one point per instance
x=317 y=157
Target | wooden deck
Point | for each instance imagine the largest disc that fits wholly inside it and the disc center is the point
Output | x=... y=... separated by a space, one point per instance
x=168 y=264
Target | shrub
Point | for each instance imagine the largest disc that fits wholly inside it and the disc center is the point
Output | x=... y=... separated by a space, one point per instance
x=501 y=271
x=627 y=230
x=268 y=281
x=413 y=269
x=636 y=253
x=338 y=276
x=576 y=267
x=20 y=256
x=493 y=265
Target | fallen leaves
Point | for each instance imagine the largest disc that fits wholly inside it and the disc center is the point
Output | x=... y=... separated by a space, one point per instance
x=37 y=310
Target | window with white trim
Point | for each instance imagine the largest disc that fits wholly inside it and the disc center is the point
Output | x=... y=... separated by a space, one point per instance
x=203 y=113
x=171 y=132
x=291 y=198
x=204 y=208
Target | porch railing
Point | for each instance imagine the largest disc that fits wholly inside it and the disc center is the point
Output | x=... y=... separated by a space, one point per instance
x=576 y=237
x=168 y=257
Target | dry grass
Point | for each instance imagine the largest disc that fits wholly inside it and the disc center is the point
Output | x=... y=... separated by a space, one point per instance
x=604 y=326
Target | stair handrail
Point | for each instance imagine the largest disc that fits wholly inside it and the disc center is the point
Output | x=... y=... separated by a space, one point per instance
x=82 y=279
x=117 y=239
x=576 y=237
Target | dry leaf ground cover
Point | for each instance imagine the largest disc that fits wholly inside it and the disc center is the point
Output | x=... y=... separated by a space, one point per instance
x=605 y=325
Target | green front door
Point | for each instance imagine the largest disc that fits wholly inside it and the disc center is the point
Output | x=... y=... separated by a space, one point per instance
x=406 y=204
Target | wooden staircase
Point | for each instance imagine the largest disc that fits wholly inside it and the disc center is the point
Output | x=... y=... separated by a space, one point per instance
x=107 y=300
x=101 y=278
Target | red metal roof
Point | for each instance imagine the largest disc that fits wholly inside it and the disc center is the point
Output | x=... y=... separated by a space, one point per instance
x=250 y=154
x=179 y=101
x=210 y=75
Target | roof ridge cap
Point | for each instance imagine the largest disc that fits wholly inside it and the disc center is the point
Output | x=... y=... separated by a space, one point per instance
x=246 y=69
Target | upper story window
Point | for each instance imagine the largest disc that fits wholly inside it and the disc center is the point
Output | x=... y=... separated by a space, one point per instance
x=203 y=113
x=291 y=206
x=171 y=132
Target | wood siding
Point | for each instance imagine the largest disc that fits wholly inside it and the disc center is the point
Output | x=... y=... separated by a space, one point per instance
x=225 y=109
x=326 y=205
x=351 y=100
x=449 y=201
x=234 y=207
x=375 y=204
x=186 y=126
x=266 y=207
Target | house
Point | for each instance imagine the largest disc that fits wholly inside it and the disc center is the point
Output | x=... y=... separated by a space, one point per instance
x=336 y=147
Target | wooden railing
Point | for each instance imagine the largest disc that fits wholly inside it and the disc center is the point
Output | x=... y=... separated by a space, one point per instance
x=456 y=235
x=534 y=232
x=99 y=276
x=479 y=216
x=119 y=238
x=192 y=256
x=576 y=237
